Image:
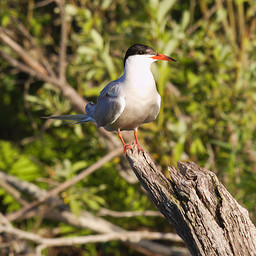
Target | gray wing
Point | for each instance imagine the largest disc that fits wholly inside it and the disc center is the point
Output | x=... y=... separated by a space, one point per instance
x=110 y=105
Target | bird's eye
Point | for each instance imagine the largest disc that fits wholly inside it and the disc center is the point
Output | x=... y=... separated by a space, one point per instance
x=140 y=52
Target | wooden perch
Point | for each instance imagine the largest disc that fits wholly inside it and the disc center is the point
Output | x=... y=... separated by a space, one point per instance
x=204 y=214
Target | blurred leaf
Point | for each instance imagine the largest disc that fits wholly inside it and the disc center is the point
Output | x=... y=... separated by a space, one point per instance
x=106 y=3
x=79 y=165
x=86 y=50
x=75 y=207
x=97 y=38
x=70 y=10
x=5 y=20
x=164 y=7
x=197 y=147
x=221 y=144
x=185 y=20
x=221 y=14
x=16 y=163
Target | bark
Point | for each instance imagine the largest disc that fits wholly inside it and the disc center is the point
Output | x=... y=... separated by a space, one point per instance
x=193 y=200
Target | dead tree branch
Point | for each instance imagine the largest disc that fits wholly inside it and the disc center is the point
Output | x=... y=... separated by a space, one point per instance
x=202 y=211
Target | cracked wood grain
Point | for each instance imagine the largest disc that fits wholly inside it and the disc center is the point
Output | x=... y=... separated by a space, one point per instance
x=194 y=201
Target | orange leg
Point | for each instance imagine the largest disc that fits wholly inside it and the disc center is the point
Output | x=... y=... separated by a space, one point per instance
x=125 y=146
x=137 y=142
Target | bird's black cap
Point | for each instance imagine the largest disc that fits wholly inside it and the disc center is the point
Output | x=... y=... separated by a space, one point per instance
x=139 y=49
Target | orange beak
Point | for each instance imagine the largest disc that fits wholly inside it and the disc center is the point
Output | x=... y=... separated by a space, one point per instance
x=163 y=57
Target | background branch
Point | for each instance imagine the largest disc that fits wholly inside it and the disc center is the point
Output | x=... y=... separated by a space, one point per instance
x=129 y=236
x=85 y=220
x=116 y=214
x=21 y=52
x=63 y=42
x=12 y=191
x=37 y=50
x=18 y=214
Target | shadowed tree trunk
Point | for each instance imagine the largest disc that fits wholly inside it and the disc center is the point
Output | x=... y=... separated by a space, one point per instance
x=204 y=214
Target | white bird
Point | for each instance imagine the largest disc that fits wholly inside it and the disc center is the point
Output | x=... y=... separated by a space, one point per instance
x=129 y=101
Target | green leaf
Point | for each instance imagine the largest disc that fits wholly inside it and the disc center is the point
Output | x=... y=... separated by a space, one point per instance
x=197 y=147
x=164 y=7
x=12 y=161
x=222 y=144
x=5 y=20
x=221 y=14
x=71 y=9
x=75 y=206
x=108 y=62
x=79 y=165
x=177 y=151
x=185 y=20
x=85 y=50
x=170 y=46
x=106 y=3
x=97 y=38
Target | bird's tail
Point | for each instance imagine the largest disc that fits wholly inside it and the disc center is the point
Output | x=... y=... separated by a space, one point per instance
x=80 y=118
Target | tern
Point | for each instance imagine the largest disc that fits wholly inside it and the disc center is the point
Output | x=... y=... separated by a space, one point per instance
x=129 y=101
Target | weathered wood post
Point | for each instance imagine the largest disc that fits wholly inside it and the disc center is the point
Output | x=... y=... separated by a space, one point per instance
x=203 y=212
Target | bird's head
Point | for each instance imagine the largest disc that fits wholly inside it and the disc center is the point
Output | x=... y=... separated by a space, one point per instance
x=144 y=54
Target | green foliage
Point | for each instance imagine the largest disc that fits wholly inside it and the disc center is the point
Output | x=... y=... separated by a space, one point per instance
x=14 y=162
x=208 y=98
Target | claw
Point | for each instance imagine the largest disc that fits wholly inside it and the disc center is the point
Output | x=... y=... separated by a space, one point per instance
x=140 y=149
x=126 y=146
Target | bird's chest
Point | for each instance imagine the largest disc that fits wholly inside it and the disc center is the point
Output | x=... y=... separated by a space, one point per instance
x=139 y=109
x=140 y=102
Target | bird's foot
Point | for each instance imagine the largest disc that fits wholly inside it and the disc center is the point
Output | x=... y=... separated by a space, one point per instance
x=140 y=149
x=126 y=147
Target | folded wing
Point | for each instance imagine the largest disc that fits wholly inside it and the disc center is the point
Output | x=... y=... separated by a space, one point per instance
x=110 y=105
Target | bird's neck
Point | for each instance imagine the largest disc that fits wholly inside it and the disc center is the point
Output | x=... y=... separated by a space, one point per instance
x=138 y=74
